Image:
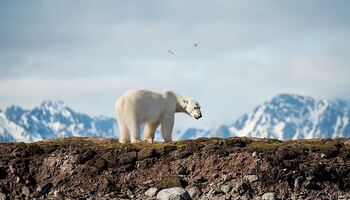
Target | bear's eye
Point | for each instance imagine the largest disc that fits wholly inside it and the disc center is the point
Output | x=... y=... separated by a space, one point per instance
x=196 y=108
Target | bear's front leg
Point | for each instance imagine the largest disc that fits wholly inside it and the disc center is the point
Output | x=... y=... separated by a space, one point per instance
x=150 y=130
x=167 y=125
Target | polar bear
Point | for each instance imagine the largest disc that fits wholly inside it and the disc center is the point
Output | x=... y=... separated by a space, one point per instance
x=135 y=107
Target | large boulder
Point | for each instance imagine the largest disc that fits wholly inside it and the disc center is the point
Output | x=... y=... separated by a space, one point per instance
x=269 y=196
x=175 y=193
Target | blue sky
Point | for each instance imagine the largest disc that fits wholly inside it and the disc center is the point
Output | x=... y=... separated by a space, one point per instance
x=87 y=53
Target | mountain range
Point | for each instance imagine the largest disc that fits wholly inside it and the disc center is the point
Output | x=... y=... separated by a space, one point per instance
x=51 y=119
x=285 y=116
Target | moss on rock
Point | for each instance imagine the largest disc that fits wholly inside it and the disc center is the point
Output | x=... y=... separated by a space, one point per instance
x=169 y=182
x=146 y=153
x=127 y=158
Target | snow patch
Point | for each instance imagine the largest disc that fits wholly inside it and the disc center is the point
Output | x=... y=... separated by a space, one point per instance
x=278 y=130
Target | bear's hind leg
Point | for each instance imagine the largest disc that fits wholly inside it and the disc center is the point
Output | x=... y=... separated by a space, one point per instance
x=124 y=136
x=134 y=129
x=150 y=130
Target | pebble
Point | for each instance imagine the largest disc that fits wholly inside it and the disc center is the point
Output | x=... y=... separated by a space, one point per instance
x=129 y=193
x=297 y=183
x=44 y=188
x=195 y=192
x=25 y=191
x=147 y=182
x=2 y=196
x=151 y=192
x=18 y=179
x=226 y=188
x=251 y=178
x=345 y=196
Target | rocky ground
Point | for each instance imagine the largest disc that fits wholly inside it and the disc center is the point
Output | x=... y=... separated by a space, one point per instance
x=234 y=168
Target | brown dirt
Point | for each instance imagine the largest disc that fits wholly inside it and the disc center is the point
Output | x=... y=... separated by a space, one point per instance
x=79 y=168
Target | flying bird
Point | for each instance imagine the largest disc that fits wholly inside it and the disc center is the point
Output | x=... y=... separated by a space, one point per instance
x=171 y=52
x=196 y=44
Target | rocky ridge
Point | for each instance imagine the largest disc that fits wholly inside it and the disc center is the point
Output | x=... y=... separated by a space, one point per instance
x=215 y=168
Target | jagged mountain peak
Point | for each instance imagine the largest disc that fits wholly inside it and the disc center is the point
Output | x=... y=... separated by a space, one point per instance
x=14 y=108
x=14 y=112
x=51 y=119
x=53 y=105
x=292 y=99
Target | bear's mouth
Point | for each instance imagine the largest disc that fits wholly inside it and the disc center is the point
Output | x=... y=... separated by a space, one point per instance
x=198 y=117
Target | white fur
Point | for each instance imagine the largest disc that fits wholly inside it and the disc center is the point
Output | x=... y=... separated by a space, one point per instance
x=135 y=107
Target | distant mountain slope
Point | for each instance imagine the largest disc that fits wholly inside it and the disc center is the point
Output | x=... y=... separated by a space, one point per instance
x=285 y=116
x=294 y=116
x=51 y=119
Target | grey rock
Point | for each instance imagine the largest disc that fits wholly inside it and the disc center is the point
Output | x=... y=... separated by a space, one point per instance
x=151 y=192
x=175 y=193
x=195 y=192
x=269 y=196
x=56 y=193
x=226 y=188
x=181 y=170
x=228 y=197
x=245 y=197
x=298 y=196
x=297 y=183
x=226 y=177
x=110 y=195
x=25 y=191
x=147 y=182
x=251 y=178
x=12 y=169
x=232 y=154
x=311 y=184
x=254 y=154
x=215 y=193
x=212 y=192
x=44 y=188
x=51 y=161
x=344 y=196
x=310 y=178
x=2 y=196
x=129 y=194
x=243 y=187
x=223 y=197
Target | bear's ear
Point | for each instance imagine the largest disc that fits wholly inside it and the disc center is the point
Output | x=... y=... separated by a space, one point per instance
x=185 y=101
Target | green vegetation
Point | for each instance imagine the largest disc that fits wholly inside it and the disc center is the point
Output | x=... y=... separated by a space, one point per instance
x=283 y=149
x=169 y=182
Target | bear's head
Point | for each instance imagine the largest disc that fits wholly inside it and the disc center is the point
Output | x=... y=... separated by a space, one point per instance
x=193 y=108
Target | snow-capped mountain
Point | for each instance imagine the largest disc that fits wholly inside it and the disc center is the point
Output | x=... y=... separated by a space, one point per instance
x=192 y=133
x=294 y=116
x=286 y=116
x=50 y=120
